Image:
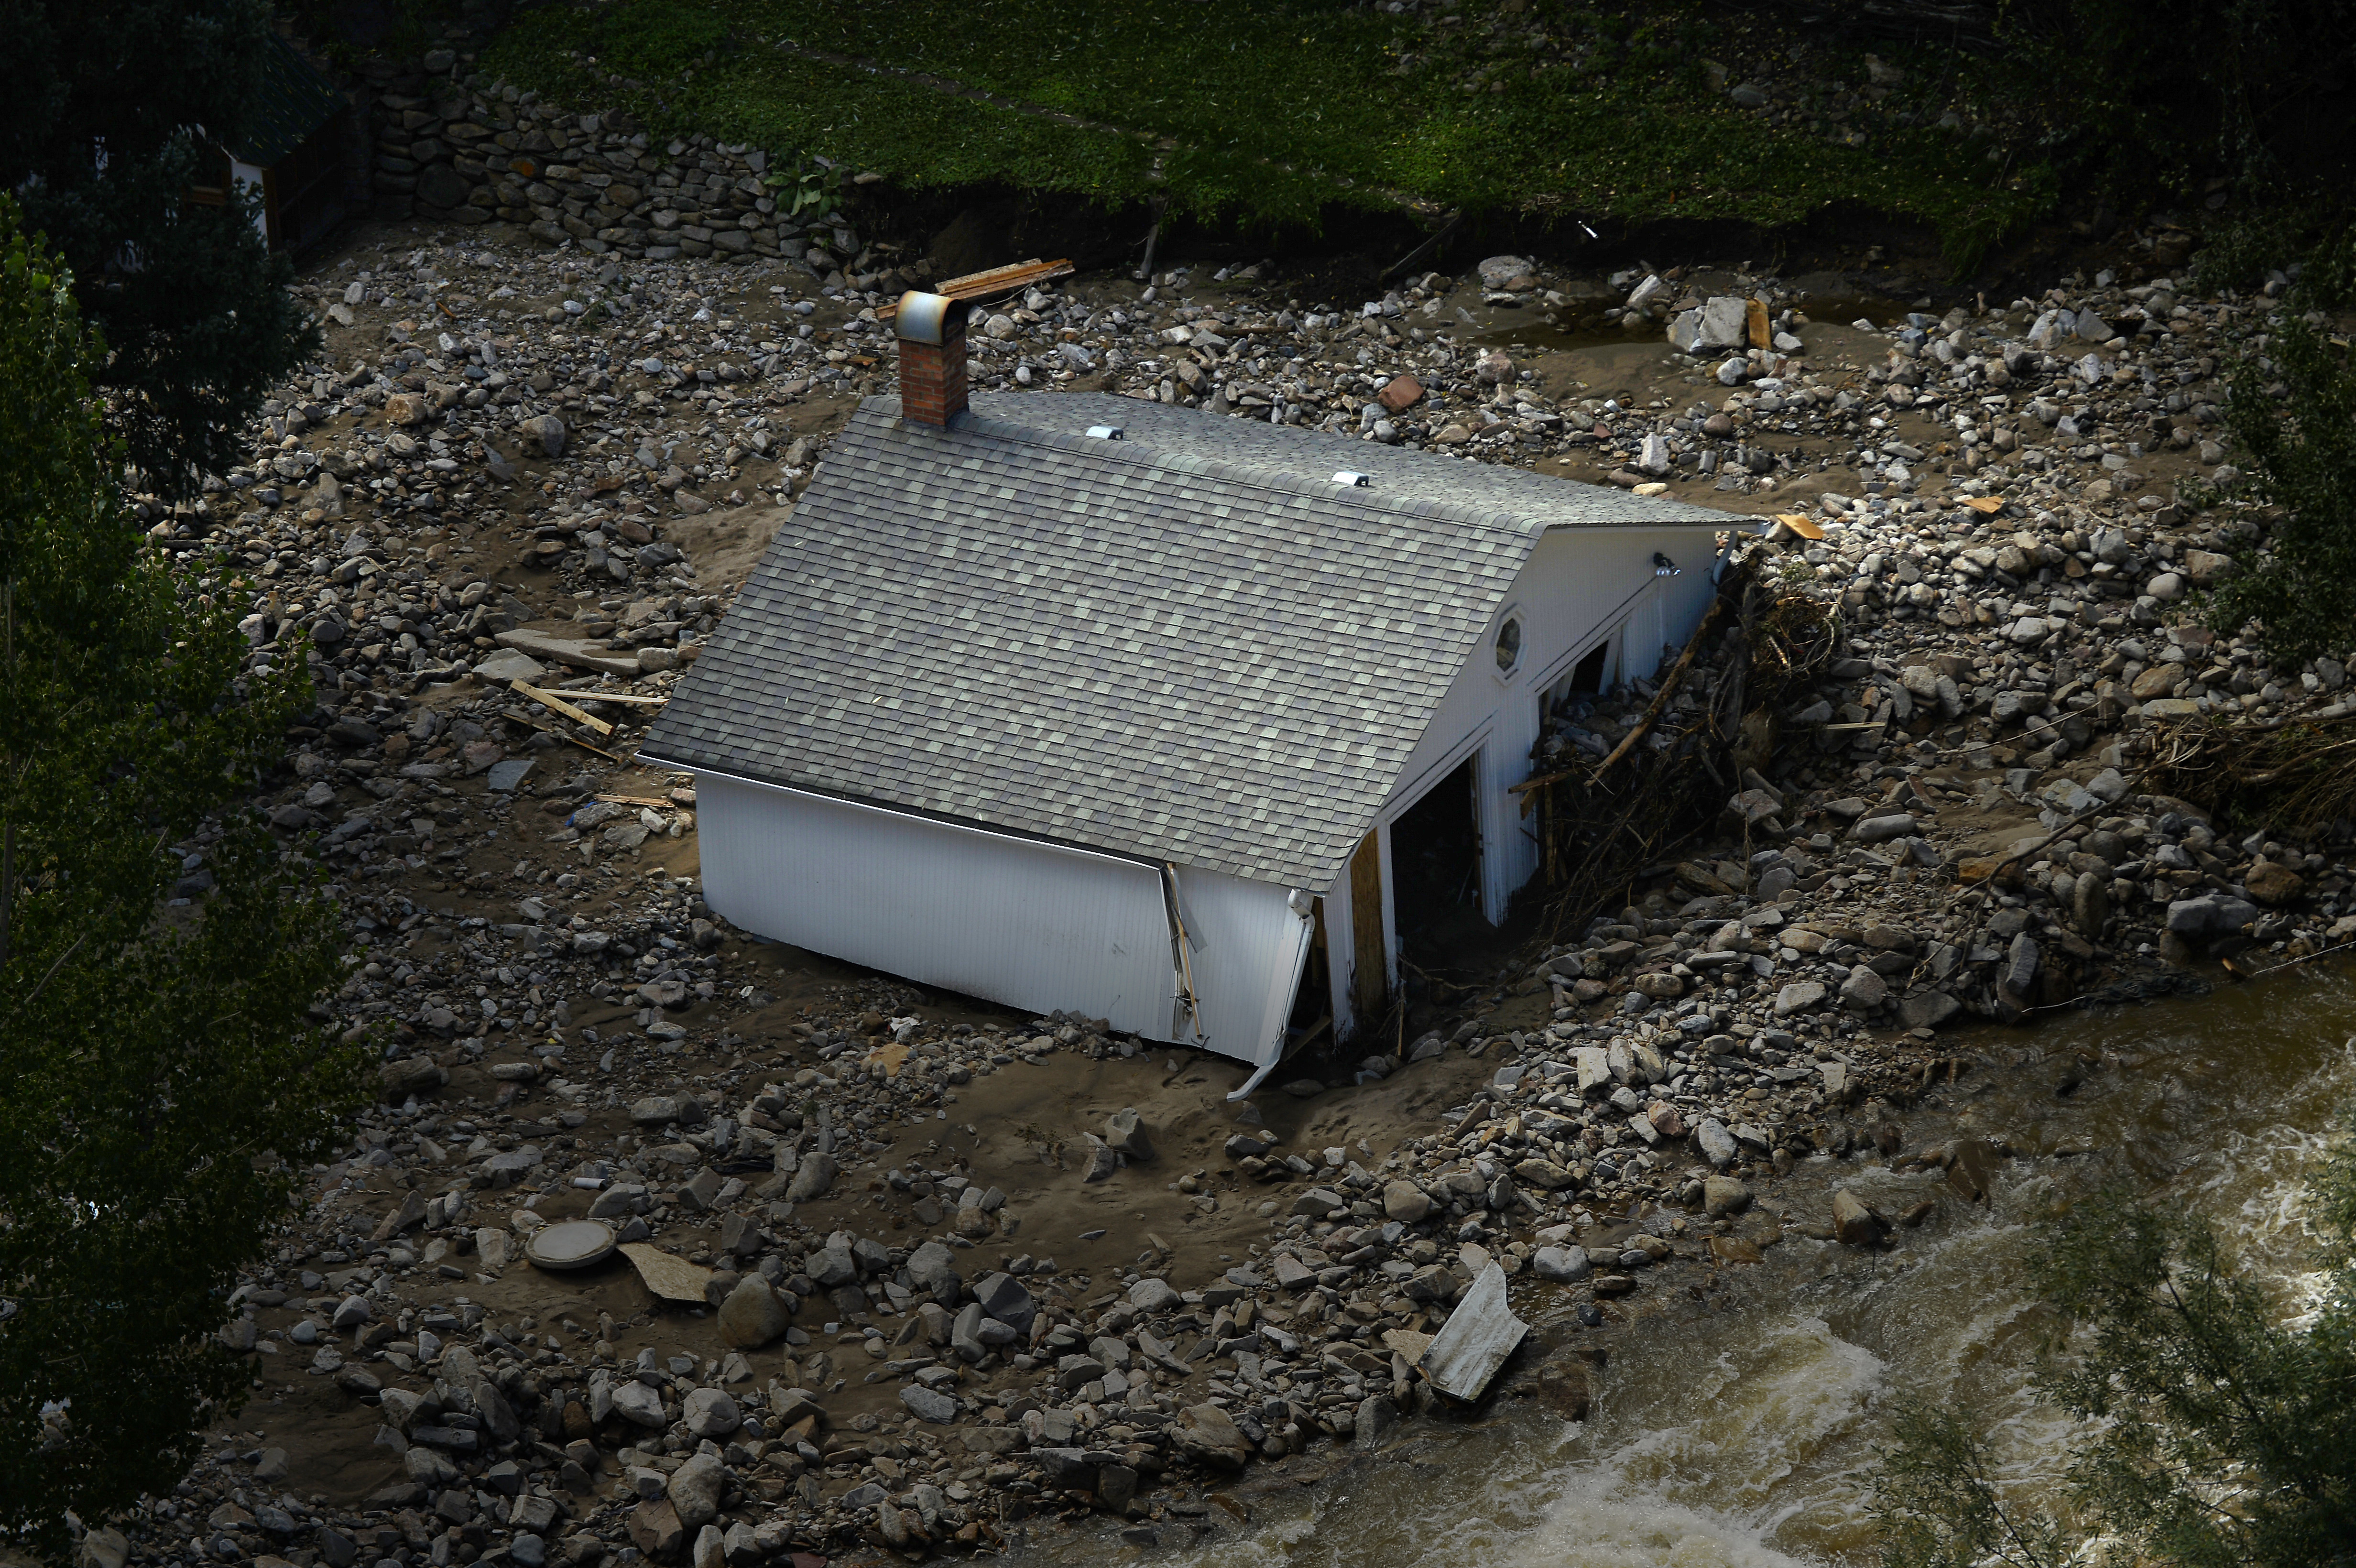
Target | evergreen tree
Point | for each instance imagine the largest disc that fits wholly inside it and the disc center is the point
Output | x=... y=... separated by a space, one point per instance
x=114 y=110
x=161 y=1080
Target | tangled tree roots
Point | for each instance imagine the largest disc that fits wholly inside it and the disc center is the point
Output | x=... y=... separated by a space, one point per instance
x=2298 y=781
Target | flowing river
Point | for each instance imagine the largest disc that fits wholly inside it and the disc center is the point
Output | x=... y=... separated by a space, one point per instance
x=1742 y=1433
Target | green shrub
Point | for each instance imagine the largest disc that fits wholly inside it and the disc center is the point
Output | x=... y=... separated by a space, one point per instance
x=2210 y=1432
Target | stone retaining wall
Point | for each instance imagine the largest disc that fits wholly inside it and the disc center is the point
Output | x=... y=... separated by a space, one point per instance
x=448 y=146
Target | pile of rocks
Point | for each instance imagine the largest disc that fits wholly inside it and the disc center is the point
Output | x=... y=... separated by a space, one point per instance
x=452 y=146
x=513 y=476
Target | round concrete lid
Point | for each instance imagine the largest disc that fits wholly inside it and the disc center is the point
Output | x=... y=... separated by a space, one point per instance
x=571 y=1243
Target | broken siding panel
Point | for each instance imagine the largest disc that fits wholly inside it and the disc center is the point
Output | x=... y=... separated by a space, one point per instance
x=1480 y=1337
x=1340 y=915
x=1032 y=925
x=1246 y=948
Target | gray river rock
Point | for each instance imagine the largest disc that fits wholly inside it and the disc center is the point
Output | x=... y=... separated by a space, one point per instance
x=1742 y=1436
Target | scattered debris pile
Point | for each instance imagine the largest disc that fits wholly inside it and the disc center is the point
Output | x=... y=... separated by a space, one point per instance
x=1640 y=780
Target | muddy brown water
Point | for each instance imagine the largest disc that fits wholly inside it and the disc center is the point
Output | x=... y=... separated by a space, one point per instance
x=1741 y=1434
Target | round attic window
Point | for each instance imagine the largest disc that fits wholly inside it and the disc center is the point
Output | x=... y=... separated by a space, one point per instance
x=1509 y=645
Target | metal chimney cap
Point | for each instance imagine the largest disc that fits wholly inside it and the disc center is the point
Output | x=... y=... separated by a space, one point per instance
x=927 y=318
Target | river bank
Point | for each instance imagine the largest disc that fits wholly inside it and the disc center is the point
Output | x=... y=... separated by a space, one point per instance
x=1737 y=1428
x=907 y=1316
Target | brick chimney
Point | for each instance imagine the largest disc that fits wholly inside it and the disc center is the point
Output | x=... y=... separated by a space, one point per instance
x=932 y=359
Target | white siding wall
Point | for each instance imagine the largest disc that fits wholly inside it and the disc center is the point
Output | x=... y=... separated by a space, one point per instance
x=1246 y=948
x=250 y=175
x=1029 y=925
x=1577 y=588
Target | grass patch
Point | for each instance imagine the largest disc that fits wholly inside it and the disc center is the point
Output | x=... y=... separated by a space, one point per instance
x=1271 y=114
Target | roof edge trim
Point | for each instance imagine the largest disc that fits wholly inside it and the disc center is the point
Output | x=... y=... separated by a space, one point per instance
x=1144 y=454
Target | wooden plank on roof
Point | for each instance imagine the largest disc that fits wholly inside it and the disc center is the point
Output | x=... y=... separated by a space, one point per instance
x=996 y=280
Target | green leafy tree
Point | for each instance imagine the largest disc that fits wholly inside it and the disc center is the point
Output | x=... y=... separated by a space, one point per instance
x=160 y=1077
x=2298 y=583
x=2214 y=1433
x=114 y=110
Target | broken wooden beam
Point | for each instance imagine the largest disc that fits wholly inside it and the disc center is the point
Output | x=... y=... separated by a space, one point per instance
x=628 y=699
x=550 y=701
x=1728 y=587
x=996 y=280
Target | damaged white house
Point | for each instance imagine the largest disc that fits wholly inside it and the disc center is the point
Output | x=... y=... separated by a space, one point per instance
x=1082 y=702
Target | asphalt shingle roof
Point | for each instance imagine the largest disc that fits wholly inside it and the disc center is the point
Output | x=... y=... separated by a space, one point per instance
x=296 y=101
x=1189 y=645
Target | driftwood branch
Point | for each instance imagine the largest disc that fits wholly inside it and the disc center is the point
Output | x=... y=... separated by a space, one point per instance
x=1728 y=591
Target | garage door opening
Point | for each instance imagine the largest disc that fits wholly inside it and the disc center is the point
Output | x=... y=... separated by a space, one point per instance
x=1436 y=857
x=1313 y=1003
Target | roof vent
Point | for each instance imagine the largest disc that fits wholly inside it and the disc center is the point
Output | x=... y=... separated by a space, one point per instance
x=1351 y=477
x=1104 y=433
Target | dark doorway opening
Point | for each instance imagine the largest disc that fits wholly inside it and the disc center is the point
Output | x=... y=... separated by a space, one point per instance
x=1587 y=676
x=1313 y=1004
x=1436 y=861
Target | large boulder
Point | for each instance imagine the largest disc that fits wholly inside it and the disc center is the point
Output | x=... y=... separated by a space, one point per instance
x=2209 y=915
x=1506 y=272
x=812 y=1179
x=1208 y=1435
x=694 y=1489
x=753 y=1315
x=635 y=1402
x=710 y=1412
x=1864 y=990
x=1125 y=1135
x=932 y=1265
x=439 y=185
x=546 y=430
x=1151 y=1295
x=1003 y=1297
x=2273 y=883
x=1930 y=1009
x=1853 y=1222
x=1798 y=997
x=929 y=1404
x=411 y=1075
x=1545 y=1174
x=1406 y=1202
x=655 y=1528
x=1566 y=1387
x=1565 y=1265
x=1717 y=1145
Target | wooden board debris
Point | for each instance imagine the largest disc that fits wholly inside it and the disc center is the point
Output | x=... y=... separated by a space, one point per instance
x=628 y=699
x=669 y=1277
x=996 y=280
x=567 y=736
x=550 y=701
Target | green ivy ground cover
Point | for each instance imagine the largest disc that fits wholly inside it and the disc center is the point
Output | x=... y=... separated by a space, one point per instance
x=1270 y=113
